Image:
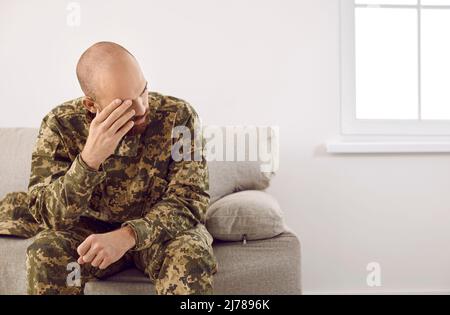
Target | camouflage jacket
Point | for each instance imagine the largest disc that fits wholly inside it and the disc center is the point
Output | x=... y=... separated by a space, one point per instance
x=140 y=185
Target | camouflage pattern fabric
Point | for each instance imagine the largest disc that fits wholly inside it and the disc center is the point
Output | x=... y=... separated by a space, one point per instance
x=15 y=219
x=164 y=201
x=183 y=265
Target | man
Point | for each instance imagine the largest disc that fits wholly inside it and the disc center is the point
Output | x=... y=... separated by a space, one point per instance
x=106 y=190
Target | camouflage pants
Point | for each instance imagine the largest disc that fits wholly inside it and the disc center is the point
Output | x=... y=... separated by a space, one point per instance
x=183 y=265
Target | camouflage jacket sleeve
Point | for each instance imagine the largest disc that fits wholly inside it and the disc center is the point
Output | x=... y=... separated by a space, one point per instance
x=60 y=188
x=185 y=200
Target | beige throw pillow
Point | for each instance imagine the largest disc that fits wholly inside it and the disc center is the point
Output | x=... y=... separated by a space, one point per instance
x=255 y=214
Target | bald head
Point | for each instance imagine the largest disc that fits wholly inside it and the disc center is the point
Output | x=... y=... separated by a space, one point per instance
x=107 y=71
x=101 y=63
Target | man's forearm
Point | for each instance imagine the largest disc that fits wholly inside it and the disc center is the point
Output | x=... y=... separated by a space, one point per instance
x=60 y=203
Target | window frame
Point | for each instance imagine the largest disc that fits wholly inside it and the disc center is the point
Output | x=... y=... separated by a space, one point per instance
x=352 y=126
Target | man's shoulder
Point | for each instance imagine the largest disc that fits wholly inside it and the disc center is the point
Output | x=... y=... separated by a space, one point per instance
x=70 y=114
x=168 y=104
x=69 y=108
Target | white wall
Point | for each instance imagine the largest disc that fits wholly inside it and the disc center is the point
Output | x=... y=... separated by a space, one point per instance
x=255 y=62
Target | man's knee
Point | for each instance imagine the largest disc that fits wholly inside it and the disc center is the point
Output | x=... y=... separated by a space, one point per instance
x=48 y=259
x=51 y=247
x=188 y=267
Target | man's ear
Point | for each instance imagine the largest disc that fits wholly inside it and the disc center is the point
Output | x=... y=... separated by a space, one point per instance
x=90 y=104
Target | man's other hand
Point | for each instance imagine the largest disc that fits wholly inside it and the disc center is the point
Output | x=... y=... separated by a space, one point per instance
x=102 y=250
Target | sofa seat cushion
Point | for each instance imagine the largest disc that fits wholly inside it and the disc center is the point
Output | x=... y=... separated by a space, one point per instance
x=13 y=276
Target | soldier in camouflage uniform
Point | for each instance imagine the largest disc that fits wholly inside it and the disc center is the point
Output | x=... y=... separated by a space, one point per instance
x=140 y=207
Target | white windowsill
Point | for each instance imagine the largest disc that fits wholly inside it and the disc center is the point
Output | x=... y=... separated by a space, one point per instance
x=348 y=147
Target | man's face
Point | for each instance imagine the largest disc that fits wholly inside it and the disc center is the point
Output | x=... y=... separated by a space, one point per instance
x=126 y=83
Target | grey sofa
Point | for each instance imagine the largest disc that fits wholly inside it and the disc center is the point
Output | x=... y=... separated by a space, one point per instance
x=269 y=266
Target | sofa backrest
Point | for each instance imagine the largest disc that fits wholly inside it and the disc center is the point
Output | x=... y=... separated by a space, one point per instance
x=254 y=158
x=226 y=177
x=16 y=145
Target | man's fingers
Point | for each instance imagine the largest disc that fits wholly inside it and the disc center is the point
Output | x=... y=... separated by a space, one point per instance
x=108 y=110
x=97 y=260
x=87 y=258
x=105 y=263
x=117 y=113
x=123 y=130
x=84 y=247
x=121 y=121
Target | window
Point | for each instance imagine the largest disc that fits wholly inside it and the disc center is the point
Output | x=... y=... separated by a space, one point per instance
x=395 y=67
